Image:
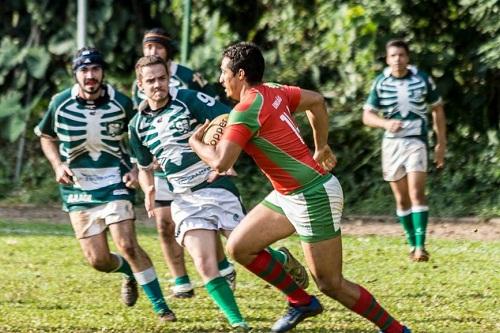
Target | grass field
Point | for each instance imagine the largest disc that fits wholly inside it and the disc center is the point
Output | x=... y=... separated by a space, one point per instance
x=46 y=286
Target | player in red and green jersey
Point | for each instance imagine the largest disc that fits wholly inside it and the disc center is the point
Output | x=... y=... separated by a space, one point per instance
x=307 y=199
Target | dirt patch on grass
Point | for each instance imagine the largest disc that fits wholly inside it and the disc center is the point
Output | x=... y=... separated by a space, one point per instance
x=470 y=228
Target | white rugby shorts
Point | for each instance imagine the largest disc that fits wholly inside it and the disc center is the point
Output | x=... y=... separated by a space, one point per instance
x=401 y=156
x=207 y=208
x=95 y=220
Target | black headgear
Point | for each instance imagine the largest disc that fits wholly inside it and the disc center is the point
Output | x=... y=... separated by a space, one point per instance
x=88 y=57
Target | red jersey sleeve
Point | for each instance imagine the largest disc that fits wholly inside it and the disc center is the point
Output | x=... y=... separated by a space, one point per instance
x=237 y=133
x=293 y=94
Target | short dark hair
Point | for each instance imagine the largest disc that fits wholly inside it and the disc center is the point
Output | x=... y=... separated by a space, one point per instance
x=148 y=61
x=246 y=56
x=398 y=43
x=160 y=36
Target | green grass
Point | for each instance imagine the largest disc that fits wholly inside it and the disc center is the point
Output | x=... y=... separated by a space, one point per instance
x=46 y=286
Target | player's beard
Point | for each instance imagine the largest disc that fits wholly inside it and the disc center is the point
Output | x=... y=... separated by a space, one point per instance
x=93 y=89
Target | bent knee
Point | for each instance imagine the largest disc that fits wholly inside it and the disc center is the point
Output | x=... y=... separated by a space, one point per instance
x=330 y=286
x=100 y=264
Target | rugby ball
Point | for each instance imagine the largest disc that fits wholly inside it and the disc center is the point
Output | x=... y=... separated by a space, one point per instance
x=215 y=129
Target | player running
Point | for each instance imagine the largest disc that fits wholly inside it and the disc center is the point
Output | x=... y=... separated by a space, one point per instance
x=82 y=135
x=156 y=42
x=306 y=198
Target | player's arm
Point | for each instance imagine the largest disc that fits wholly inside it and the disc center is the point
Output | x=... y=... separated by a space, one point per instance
x=146 y=181
x=50 y=149
x=220 y=157
x=372 y=119
x=439 y=126
x=313 y=104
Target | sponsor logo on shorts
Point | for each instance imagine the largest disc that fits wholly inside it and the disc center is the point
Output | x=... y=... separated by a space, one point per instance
x=80 y=197
x=120 y=192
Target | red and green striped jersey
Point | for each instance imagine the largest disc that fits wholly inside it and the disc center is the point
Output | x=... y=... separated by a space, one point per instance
x=262 y=124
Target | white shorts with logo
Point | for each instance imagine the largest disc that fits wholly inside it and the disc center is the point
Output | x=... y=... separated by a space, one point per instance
x=208 y=208
x=315 y=212
x=162 y=193
x=401 y=156
x=95 y=220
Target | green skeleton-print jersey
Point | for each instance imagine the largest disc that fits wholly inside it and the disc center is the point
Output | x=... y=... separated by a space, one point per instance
x=406 y=99
x=164 y=134
x=90 y=136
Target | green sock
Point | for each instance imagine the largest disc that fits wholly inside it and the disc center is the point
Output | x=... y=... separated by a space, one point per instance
x=223 y=264
x=182 y=280
x=223 y=296
x=405 y=218
x=277 y=255
x=149 y=282
x=420 y=216
x=123 y=266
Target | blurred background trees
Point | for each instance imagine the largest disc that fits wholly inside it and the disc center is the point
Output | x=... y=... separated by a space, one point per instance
x=333 y=46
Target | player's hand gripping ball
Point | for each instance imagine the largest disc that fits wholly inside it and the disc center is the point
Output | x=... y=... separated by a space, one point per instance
x=215 y=129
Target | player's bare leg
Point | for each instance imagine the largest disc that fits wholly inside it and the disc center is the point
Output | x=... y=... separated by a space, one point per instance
x=96 y=251
x=173 y=253
x=324 y=259
x=261 y=227
x=416 y=189
x=202 y=246
x=125 y=239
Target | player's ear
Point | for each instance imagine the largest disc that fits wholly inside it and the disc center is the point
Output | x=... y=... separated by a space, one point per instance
x=241 y=74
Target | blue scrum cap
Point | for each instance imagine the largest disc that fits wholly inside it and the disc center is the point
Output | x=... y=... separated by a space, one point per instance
x=88 y=57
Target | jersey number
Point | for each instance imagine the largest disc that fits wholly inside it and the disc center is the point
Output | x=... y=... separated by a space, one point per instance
x=208 y=100
x=286 y=118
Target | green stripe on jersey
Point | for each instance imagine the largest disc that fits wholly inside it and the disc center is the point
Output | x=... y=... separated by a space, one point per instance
x=302 y=173
x=250 y=116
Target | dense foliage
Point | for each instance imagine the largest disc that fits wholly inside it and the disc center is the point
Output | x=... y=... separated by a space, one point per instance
x=334 y=46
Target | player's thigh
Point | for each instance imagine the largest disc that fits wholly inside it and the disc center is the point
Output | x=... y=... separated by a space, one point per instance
x=96 y=249
x=201 y=243
x=124 y=234
x=400 y=190
x=261 y=227
x=163 y=215
x=416 y=186
x=324 y=260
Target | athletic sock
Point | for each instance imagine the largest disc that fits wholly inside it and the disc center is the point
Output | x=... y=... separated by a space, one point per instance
x=270 y=270
x=223 y=296
x=369 y=308
x=278 y=255
x=180 y=280
x=123 y=267
x=149 y=282
x=223 y=264
x=420 y=216
x=405 y=218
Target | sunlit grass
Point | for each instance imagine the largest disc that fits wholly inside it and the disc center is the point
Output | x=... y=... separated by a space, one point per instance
x=46 y=286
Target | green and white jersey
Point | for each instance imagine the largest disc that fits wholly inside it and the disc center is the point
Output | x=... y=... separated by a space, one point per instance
x=407 y=99
x=164 y=134
x=181 y=77
x=90 y=136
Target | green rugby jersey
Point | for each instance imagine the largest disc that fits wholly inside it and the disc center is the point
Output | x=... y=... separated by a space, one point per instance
x=164 y=134
x=407 y=99
x=90 y=136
